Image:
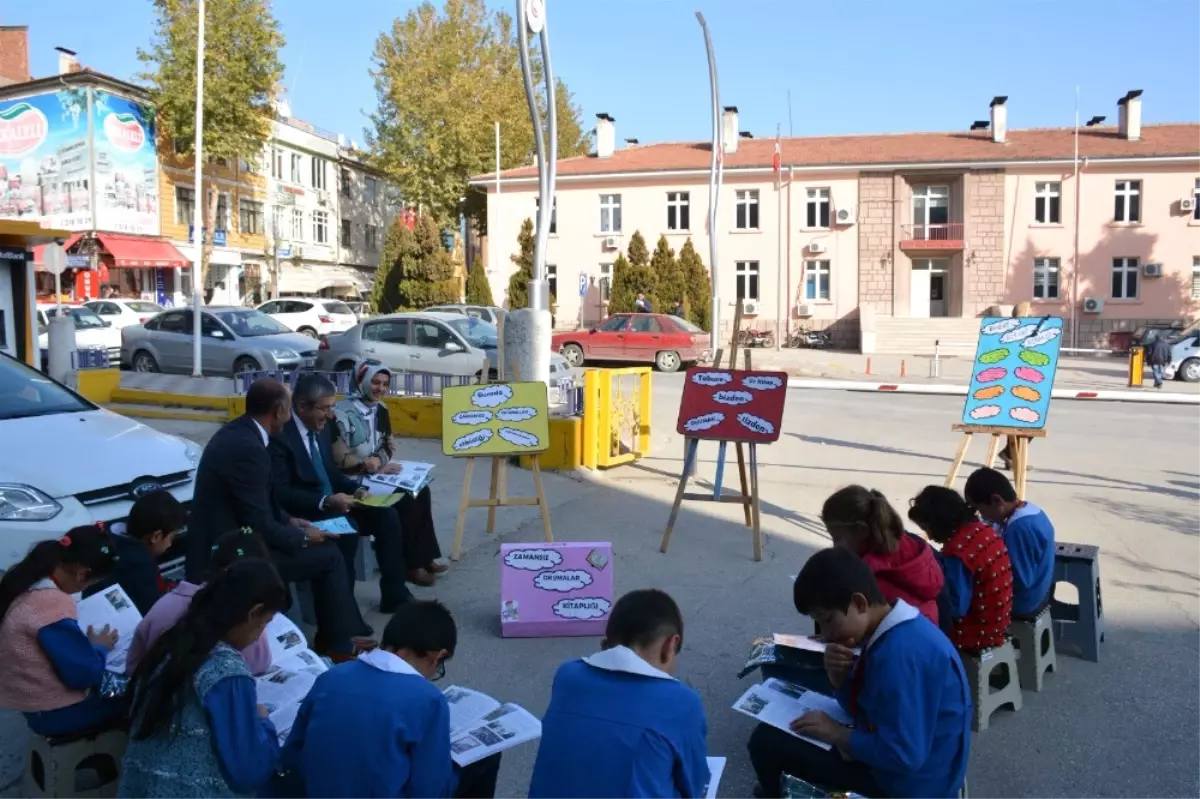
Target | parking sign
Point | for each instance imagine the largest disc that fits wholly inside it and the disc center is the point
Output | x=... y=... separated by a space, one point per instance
x=583 y=284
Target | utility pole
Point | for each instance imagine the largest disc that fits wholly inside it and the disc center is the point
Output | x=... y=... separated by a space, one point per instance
x=714 y=187
x=198 y=199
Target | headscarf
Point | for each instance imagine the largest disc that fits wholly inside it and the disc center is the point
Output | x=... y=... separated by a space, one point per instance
x=360 y=379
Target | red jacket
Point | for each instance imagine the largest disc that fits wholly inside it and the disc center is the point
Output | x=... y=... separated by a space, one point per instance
x=910 y=573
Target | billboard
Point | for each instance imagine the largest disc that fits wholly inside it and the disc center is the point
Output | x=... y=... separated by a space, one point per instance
x=44 y=159
x=126 y=166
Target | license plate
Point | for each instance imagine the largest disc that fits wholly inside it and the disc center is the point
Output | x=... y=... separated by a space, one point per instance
x=309 y=363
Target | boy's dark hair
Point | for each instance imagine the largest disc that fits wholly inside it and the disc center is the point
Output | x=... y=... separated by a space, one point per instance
x=858 y=505
x=642 y=617
x=157 y=511
x=984 y=483
x=264 y=396
x=830 y=579
x=423 y=627
x=940 y=511
x=233 y=546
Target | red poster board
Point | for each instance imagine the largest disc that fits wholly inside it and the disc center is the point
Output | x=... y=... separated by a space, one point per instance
x=732 y=405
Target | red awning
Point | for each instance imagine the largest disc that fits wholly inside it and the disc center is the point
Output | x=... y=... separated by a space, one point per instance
x=141 y=251
x=39 y=258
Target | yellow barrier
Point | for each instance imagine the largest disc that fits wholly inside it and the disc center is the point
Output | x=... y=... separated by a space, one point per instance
x=1137 y=366
x=98 y=385
x=616 y=416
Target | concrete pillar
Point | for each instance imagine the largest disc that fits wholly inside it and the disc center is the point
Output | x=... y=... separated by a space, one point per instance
x=527 y=345
x=61 y=335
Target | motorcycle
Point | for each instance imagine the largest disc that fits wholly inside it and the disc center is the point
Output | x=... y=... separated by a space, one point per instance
x=756 y=338
x=812 y=339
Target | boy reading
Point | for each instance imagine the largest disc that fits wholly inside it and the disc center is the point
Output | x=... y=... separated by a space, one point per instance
x=618 y=723
x=907 y=693
x=154 y=520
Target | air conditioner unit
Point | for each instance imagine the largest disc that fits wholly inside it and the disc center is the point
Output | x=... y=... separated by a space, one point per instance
x=845 y=216
x=1187 y=204
x=1152 y=270
x=611 y=242
x=749 y=307
x=323 y=197
x=803 y=310
x=1093 y=304
x=816 y=246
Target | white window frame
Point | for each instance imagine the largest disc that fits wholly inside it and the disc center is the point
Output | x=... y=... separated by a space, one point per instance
x=1043 y=270
x=1043 y=207
x=814 y=270
x=222 y=222
x=318 y=167
x=924 y=197
x=679 y=205
x=745 y=201
x=1125 y=191
x=606 y=273
x=1129 y=269
x=276 y=163
x=537 y=207
x=1196 y=275
x=610 y=213
x=296 y=173
x=552 y=280
x=277 y=230
x=320 y=226
x=816 y=203
x=346 y=233
x=748 y=272
x=297 y=225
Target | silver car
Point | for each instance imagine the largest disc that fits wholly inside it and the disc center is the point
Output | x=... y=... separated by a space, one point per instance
x=233 y=340
x=488 y=313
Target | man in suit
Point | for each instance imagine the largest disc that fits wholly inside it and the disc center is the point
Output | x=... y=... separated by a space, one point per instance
x=233 y=490
x=308 y=483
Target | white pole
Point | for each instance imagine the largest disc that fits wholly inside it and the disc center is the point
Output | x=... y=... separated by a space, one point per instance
x=1075 y=255
x=779 y=247
x=714 y=188
x=198 y=195
x=495 y=239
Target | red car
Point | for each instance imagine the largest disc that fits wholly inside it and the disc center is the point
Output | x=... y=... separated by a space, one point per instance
x=666 y=341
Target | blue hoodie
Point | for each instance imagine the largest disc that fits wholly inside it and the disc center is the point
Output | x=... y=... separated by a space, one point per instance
x=1029 y=536
x=618 y=727
x=911 y=702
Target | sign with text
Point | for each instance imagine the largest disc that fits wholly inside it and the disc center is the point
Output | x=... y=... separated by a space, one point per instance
x=496 y=419
x=1013 y=372
x=549 y=590
x=732 y=405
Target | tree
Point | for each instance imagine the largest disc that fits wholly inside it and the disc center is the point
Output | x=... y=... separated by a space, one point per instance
x=622 y=294
x=668 y=277
x=572 y=138
x=241 y=72
x=697 y=294
x=518 y=283
x=479 y=289
x=415 y=271
x=401 y=243
x=639 y=255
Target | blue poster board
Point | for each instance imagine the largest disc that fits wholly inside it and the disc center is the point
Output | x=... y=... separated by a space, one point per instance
x=1013 y=372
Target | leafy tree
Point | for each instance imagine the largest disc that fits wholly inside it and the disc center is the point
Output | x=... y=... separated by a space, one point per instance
x=697 y=294
x=479 y=289
x=241 y=72
x=572 y=138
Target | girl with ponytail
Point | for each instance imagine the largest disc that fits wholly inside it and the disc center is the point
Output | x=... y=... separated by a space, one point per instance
x=50 y=669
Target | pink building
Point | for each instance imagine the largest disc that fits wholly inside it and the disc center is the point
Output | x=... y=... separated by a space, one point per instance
x=890 y=241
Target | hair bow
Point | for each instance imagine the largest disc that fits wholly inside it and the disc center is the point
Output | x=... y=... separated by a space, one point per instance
x=247 y=531
x=65 y=541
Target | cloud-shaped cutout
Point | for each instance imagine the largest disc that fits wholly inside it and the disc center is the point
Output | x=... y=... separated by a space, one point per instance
x=1003 y=326
x=563 y=581
x=518 y=438
x=712 y=378
x=1045 y=337
x=519 y=414
x=755 y=423
x=1022 y=332
x=533 y=560
x=473 y=440
x=472 y=417
x=762 y=382
x=733 y=397
x=491 y=396
x=698 y=423
x=591 y=607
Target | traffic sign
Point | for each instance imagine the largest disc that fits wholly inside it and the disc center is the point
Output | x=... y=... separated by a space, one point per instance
x=55 y=258
x=535 y=15
x=583 y=284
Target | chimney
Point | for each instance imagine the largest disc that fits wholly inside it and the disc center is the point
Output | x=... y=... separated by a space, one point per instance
x=729 y=129
x=631 y=142
x=999 y=119
x=606 y=135
x=67 y=62
x=745 y=134
x=14 y=54
x=1129 y=115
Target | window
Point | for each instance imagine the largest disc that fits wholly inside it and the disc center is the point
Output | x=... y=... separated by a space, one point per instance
x=247 y=166
x=222 y=220
x=344 y=182
x=645 y=324
x=185 y=205
x=297 y=225
x=370 y=190
x=1196 y=277
x=1128 y=202
x=346 y=234
x=1045 y=278
x=614 y=324
x=1196 y=200
x=816 y=280
x=1046 y=199
x=429 y=335
x=610 y=213
x=173 y=322
x=297 y=163
x=276 y=163
x=318 y=173
x=679 y=212
x=371 y=235
x=389 y=332
x=747 y=279
x=1125 y=278
x=606 y=282
x=537 y=207
x=931 y=212
x=747 y=210
x=817 y=209
x=277 y=222
x=552 y=279
x=182 y=146
x=320 y=220
x=250 y=216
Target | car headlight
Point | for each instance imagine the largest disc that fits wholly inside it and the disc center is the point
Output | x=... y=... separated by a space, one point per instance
x=192 y=450
x=22 y=503
x=285 y=355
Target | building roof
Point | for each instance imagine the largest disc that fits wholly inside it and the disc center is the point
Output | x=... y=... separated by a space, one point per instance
x=880 y=150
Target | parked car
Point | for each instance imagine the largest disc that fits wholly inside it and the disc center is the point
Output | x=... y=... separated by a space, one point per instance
x=234 y=340
x=312 y=316
x=116 y=460
x=361 y=310
x=488 y=313
x=666 y=341
x=123 y=313
x=91 y=332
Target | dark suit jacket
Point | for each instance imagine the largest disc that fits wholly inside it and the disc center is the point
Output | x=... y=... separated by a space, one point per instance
x=233 y=489
x=293 y=477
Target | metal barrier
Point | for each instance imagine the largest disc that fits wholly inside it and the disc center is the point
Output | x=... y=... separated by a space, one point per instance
x=404 y=384
x=93 y=358
x=616 y=416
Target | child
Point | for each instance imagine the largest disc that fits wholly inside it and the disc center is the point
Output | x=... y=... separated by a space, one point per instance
x=975 y=605
x=378 y=726
x=1027 y=532
x=50 y=670
x=618 y=723
x=229 y=549
x=197 y=728
x=862 y=521
x=908 y=695
x=154 y=520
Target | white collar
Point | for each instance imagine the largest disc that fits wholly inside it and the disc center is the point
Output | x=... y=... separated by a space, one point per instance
x=1026 y=509
x=300 y=426
x=622 y=658
x=900 y=613
x=262 y=431
x=383 y=660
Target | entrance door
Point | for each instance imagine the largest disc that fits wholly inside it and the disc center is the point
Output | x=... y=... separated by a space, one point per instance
x=937 y=293
x=928 y=287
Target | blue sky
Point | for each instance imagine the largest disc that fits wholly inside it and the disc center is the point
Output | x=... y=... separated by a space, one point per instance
x=852 y=66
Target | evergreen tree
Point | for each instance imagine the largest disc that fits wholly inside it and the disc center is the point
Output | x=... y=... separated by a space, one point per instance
x=668 y=276
x=428 y=275
x=518 y=284
x=639 y=255
x=401 y=244
x=697 y=294
x=479 y=289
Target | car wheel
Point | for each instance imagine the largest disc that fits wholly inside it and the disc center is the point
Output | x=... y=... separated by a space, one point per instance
x=144 y=362
x=574 y=354
x=246 y=364
x=667 y=361
x=308 y=331
x=1189 y=370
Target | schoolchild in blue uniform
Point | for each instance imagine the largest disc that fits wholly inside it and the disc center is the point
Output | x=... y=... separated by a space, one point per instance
x=154 y=521
x=619 y=724
x=907 y=693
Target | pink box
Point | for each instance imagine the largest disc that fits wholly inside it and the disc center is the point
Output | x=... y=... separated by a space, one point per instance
x=548 y=590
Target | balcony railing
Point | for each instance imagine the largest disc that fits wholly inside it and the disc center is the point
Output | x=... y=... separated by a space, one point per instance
x=943 y=231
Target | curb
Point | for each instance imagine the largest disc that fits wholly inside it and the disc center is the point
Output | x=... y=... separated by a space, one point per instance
x=1102 y=395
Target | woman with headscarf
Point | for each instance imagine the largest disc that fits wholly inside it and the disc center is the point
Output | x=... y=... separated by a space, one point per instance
x=364 y=446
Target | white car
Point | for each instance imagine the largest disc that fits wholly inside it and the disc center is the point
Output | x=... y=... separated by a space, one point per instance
x=91 y=332
x=123 y=313
x=67 y=463
x=312 y=316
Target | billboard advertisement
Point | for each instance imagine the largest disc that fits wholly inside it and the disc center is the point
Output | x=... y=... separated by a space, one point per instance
x=126 y=166
x=44 y=159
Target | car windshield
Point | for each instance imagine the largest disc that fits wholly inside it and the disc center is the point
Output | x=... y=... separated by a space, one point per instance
x=337 y=307
x=686 y=326
x=85 y=318
x=145 y=307
x=477 y=332
x=25 y=392
x=248 y=323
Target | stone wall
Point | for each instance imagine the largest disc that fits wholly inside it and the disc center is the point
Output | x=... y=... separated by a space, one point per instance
x=1096 y=332
x=985 y=272
x=876 y=241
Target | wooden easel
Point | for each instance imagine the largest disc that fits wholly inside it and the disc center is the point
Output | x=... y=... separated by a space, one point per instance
x=498 y=492
x=1020 y=453
x=748 y=498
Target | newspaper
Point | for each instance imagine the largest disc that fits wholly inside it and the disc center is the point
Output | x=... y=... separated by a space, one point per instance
x=113 y=607
x=716 y=767
x=779 y=703
x=294 y=669
x=412 y=477
x=480 y=726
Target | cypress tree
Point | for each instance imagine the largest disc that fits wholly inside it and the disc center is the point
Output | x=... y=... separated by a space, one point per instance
x=697 y=294
x=479 y=289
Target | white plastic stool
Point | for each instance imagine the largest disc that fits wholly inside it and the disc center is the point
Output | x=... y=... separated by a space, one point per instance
x=86 y=766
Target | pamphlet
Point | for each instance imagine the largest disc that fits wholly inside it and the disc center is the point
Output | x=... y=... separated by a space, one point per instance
x=716 y=767
x=796 y=788
x=412 y=477
x=381 y=500
x=808 y=643
x=294 y=669
x=794 y=651
x=338 y=525
x=480 y=726
x=113 y=607
x=779 y=703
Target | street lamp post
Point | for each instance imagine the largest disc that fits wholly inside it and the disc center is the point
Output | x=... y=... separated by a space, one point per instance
x=198 y=198
x=714 y=187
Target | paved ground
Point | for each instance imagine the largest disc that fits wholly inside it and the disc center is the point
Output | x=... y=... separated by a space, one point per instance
x=1124 y=477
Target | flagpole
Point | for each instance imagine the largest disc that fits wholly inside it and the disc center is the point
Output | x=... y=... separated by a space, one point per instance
x=1075 y=256
x=714 y=190
x=778 y=164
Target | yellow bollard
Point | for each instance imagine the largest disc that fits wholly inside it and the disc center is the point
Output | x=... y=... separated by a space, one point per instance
x=1137 y=366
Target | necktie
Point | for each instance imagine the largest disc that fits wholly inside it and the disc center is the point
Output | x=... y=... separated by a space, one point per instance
x=314 y=452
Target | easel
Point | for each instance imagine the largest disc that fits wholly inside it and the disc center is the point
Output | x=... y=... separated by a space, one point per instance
x=1020 y=450
x=748 y=498
x=498 y=492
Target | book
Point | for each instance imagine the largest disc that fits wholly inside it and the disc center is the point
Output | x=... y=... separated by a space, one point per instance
x=779 y=703
x=782 y=649
x=338 y=525
x=481 y=726
x=716 y=767
x=412 y=477
x=382 y=500
x=294 y=670
x=113 y=607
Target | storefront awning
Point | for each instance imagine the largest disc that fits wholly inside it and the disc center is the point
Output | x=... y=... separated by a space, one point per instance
x=141 y=251
x=297 y=280
x=39 y=252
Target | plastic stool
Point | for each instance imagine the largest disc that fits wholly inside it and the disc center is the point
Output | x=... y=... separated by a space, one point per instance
x=1079 y=626
x=984 y=698
x=60 y=765
x=1036 y=654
